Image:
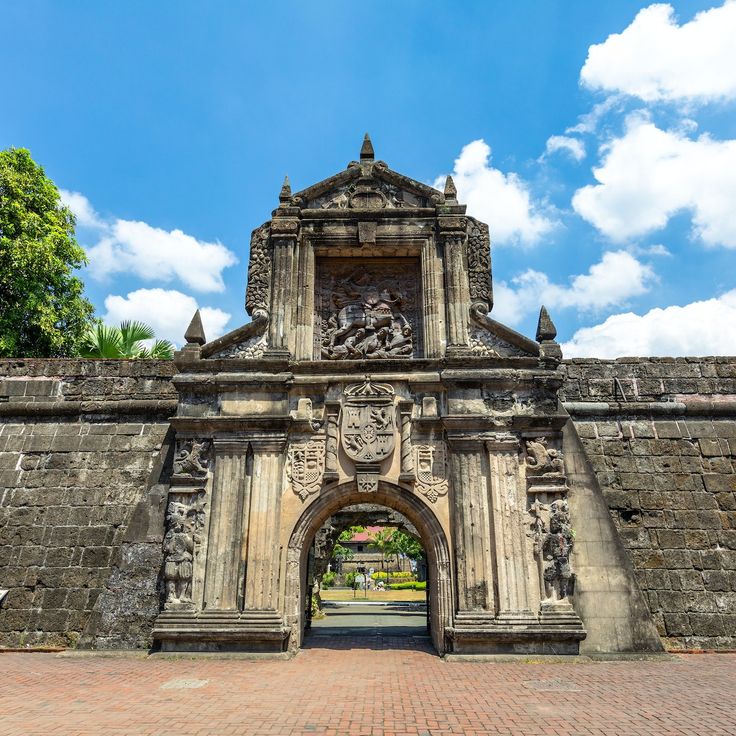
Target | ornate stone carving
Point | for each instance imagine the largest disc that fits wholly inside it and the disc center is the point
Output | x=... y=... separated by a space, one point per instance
x=542 y=460
x=184 y=523
x=305 y=467
x=479 y=263
x=487 y=344
x=368 y=312
x=253 y=347
x=407 y=454
x=368 y=422
x=192 y=458
x=431 y=469
x=258 y=292
x=373 y=194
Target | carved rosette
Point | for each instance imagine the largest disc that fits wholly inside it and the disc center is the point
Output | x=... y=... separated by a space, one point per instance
x=431 y=470
x=305 y=467
x=185 y=518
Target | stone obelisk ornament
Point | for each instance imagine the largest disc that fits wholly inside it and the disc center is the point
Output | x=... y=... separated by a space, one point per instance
x=368 y=429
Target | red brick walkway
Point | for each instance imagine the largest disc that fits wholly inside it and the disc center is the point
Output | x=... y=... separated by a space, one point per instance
x=381 y=692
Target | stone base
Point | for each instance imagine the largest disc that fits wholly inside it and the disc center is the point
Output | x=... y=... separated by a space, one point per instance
x=516 y=632
x=221 y=631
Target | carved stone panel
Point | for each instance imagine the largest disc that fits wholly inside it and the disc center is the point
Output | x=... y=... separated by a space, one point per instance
x=258 y=292
x=192 y=459
x=431 y=470
x=373 y=194
x=368 y=422
x=184 y=524
x=367 y=309
x=305 y=467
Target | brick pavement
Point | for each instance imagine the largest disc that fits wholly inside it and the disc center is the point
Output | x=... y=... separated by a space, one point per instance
x=378 y=688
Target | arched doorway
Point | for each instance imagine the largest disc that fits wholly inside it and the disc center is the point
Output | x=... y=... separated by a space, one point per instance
x=439 y=577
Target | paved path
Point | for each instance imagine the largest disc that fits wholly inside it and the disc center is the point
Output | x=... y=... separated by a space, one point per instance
x=350 y=692
x=358 y=620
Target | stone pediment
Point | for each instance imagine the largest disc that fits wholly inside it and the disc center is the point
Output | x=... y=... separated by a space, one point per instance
x=368 y=185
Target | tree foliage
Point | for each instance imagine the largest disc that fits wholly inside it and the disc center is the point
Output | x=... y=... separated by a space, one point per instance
x=43 y=312
x=125 y=341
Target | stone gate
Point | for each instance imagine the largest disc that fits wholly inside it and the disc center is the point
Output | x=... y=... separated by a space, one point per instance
x=372 y=372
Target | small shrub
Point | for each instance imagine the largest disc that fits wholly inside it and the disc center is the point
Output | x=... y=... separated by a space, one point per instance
x=409 y=585
x=392 y=575
x=328 y=579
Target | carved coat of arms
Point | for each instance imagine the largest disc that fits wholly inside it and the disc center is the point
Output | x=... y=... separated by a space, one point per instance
x=305 y=467
x=368 y=422
x=431 y=464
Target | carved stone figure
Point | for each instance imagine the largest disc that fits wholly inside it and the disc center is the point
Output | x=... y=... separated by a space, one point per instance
x=556 y=550
x=305 y=467
x=365 y=316
x=192 y=458
x=184 y=522
x=542 y=459
x=431 y=465
x=368 y=422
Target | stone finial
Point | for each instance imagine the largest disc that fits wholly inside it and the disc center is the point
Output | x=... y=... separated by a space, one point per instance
x=366 y=150
x=450 y=190
x=546 y=329
x=285 y=193
x=195 y=332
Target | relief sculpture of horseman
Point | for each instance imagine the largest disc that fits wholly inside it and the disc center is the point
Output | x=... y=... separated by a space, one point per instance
x=368 y=322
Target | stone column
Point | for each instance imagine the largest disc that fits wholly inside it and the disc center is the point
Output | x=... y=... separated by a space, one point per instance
x=263 y=558
x=228 y=514
x=305 y=280
x=509 y=522
x=433 y=297
x=408 y=474
x=457 y=291
x=473 y=533
x=284 y=232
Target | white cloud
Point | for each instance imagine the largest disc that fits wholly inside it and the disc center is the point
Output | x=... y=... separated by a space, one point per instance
x=154 y=254
x=699 y=328
x=82 y=209
x=168 y=312
x=151 y=253
x=656 y=59
x=649 y=175
x=501 y=200
x=572 y=146
x=617 y=277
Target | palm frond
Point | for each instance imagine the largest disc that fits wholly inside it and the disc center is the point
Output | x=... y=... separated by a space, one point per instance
x=102 y=341
x=131 y=333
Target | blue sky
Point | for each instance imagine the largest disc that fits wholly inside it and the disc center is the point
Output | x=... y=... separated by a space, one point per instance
x=596 y=139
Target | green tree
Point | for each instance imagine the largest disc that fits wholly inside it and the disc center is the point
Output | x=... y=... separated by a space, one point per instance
x=43 y=312
x=125 y=341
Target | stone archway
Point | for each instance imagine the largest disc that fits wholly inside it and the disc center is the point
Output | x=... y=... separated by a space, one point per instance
x=331 y=500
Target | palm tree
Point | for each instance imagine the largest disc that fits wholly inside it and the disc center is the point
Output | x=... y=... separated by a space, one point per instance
x=125 y=341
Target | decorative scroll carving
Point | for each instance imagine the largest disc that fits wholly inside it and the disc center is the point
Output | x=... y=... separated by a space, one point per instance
x=258 y=292
x=367 y=311
x=368 y=422
x=253 y=347
x=192 y=458
x=479 y=263
x=431 y=464
x=369 y=194
x=305 y=467
x=487 y=344
x=184 y=523
x=541 y=459
x=331 y=413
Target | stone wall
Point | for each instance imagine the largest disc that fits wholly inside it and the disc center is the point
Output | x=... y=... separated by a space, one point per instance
x=85 y=454
x=660 y=435
x=82 y=483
